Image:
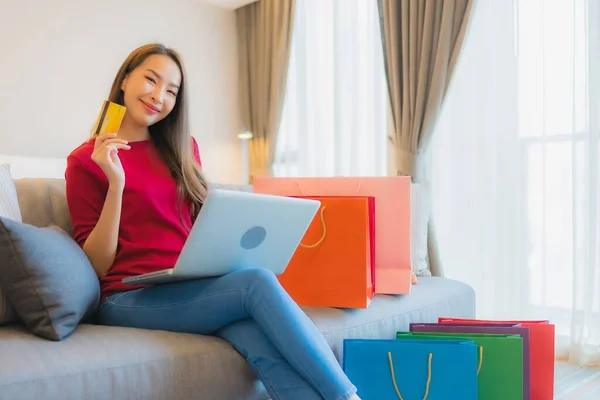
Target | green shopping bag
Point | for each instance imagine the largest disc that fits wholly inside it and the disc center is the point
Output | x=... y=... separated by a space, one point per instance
x=500 y=361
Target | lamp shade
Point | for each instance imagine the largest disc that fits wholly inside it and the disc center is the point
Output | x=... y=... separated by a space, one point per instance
x=245 y=135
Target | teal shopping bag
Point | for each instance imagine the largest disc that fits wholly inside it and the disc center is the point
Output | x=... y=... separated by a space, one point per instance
x=412 y=369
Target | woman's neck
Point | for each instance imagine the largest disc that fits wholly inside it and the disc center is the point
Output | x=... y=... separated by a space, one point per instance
x=133 y=132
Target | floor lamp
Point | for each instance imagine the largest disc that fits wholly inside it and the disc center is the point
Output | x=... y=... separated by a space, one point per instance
x=244 y=137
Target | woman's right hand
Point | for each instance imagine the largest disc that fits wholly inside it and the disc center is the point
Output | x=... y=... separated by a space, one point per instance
x=105 y=154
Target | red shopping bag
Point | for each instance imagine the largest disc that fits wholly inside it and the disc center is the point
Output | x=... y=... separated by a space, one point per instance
x=541 y=352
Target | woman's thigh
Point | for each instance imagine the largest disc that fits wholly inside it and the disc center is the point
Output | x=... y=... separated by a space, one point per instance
x=197 y=306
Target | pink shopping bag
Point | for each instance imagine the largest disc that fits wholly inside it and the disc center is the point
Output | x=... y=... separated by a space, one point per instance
x=392 y=218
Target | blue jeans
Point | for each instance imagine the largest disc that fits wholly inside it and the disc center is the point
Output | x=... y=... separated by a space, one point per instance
x=251 y=310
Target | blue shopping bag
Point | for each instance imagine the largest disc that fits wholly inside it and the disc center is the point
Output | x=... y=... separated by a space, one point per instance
x=412 y=369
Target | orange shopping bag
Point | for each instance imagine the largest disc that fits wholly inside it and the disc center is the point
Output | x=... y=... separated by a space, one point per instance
x=541 y=353
x=393 y=267
x=332 y=265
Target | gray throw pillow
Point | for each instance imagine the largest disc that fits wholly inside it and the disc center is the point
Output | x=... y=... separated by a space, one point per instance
x=47 y=278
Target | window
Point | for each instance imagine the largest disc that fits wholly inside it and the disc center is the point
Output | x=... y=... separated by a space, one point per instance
x=335 y=110
x=515 y=166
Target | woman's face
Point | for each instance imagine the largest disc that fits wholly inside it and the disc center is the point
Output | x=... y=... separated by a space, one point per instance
x=150 y=90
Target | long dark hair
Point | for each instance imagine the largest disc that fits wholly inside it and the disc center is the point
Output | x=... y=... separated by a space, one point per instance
x=171 y=136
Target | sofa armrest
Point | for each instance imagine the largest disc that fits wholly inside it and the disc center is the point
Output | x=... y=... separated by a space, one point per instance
x=433 y=251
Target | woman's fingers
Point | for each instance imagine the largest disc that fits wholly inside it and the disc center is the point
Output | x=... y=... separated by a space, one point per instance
x=115 y=142
x=116 y=146
x=101 y=138
x=108 y=138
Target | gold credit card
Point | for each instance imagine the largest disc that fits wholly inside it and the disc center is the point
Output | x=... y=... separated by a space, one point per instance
x=110 y=118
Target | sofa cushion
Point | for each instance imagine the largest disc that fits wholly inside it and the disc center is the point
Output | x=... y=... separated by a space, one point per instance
x=47 y=278
x=98 y=362
x=9 y=208
x=43 y=202
x=431 y=298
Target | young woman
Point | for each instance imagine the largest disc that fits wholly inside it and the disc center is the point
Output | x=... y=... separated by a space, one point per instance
x=133 y=199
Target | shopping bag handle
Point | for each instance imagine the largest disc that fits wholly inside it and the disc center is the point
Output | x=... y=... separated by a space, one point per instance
x=428 y=372
x=480 y=359
x=394 y=376
x=311 y=246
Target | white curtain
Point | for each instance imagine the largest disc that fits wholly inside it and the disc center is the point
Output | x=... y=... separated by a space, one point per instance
x=514 y=168
x=334 y=117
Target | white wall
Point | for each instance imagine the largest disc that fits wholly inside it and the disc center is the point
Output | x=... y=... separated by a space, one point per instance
x=58 y=59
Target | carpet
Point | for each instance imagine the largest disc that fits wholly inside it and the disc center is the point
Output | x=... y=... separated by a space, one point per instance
x=572 y=382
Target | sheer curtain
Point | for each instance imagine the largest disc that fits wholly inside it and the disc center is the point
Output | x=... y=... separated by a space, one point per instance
x=334 y=117
x=514 y=167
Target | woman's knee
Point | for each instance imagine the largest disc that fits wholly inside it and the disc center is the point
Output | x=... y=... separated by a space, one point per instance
x=259 y=284
x=257 y=276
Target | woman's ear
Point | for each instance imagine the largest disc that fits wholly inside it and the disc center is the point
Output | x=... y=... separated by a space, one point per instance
x=123 y=83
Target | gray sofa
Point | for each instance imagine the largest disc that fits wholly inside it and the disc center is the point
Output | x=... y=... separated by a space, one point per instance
x=98 y=362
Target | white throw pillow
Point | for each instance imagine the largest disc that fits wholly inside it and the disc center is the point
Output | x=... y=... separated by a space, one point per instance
x=9 y=208
x=9 y=203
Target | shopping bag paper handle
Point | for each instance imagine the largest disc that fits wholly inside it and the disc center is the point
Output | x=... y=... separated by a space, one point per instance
x=394 y=376
x=311 y=246
x=480 y=359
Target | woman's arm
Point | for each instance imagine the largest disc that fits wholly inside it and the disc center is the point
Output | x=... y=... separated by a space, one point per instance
x=101 y=244
x=95 y=210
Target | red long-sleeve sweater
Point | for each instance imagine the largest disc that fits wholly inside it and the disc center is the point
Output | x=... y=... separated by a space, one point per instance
x=154 y=224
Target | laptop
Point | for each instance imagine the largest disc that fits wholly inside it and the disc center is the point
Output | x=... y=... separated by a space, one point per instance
x=236 y=230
